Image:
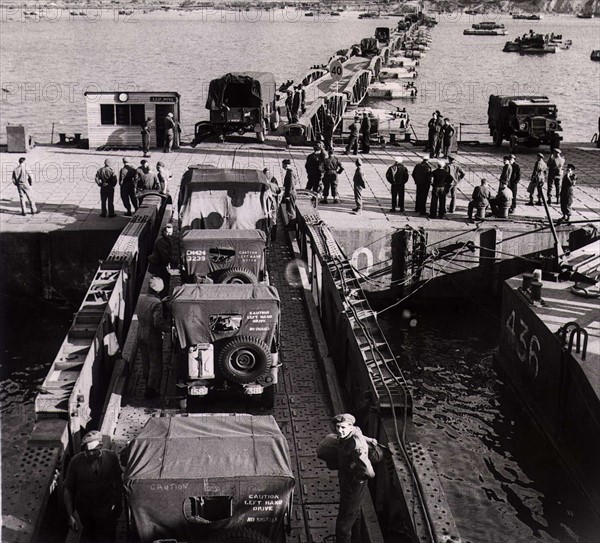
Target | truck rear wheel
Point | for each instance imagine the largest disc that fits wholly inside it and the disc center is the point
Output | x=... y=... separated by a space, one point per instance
x=244 y=359
x=237 y=276
x=241 y=535
x=497 y=138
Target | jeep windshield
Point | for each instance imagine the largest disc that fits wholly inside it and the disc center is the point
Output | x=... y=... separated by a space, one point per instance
x=533 y=111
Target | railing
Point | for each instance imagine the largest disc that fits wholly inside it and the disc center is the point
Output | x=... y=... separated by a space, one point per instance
x=463 y=130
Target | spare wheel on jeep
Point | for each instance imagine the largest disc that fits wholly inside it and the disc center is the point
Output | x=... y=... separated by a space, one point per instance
x=237 y=276
x=244 y=359
x=241 y=535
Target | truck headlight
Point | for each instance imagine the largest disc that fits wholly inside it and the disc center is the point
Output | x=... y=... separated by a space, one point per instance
x=552 y=126
x=523 y=126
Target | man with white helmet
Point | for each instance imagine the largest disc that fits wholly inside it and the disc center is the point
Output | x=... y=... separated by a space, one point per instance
x=152 y=323
x=93 y=489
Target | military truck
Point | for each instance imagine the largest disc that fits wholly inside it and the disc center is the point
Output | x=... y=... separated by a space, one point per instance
x=243 y=102
x=523 y=120
x=227 y=339
x=220 y=478
x=226 y=198
x=224 y=256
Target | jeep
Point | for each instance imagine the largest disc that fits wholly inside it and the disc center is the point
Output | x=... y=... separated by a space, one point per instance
x=528 y=120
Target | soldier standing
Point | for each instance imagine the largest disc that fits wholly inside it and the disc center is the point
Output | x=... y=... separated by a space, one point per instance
x=107 y=181
x=566 y=192
x=331 y=169
x=397 y=176
x=169 y=132
x=328 y=127
x=152 y=323
x=145 y=177
x=21 y=178
x=296 y=104
x=513 y=184
x=162 y=257
x=365 y=131
x=314 y=168
x=289 y=191
x=359 y=185
x=506 y=171
x=422 y=176
x=432 y=135
x=354 y=132
x=455 y=175
x=438 y=192
x=448 y=132
x=556 y=164
x=538 y=180
x=146 y=136
x=163 y=176
x=127 y=177
x=289 y=104
x=439 y=133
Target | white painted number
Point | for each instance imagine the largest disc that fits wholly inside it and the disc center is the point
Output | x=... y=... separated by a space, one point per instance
x=528 y=346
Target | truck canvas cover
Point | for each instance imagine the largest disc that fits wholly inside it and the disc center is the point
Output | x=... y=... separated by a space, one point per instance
x=192 y=307
x=187 y=477
x=230 y=199
x=207 y=251
x=247 y=89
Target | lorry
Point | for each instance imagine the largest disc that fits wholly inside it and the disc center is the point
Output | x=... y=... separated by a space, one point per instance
x=226 y=340
x=216 y=478
x=524 y=120
x=242 y=102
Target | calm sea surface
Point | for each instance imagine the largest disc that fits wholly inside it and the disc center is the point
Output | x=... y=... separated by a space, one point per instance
x=502 y=480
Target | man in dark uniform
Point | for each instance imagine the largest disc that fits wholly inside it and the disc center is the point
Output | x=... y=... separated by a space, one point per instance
x=455 y=175
x=289 y=104
x=365 y=132
x=506 y=171
x=93 y=489
x=302 y=98
x=439 y=134
x=448 y=132
x=538 y=180
x=422 y=176
x=162 y=257
x=354 y=132
x=359 y=184
x=513 y=184
x=354 y=470
x=107 y=181
x=397 y=176
x=290 y=182
x=331 y=169
x=314 y=168
x=21 y=179
x=566 y=192
x=146 y=178
x=127 y=177
x=556 y=163
x=296 y=105
x=170 y=126
x=439 y=178
x=152 y=323
x=480 y=198
x=328 y=127
x=146 y=136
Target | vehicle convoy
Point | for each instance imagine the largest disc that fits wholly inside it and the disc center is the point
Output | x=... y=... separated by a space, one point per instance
x=523 y=120
x=217 y=478
x=226 y=198
x=227 y=336
x=241 y=102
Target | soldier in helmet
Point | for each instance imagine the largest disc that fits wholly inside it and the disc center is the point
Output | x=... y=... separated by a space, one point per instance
x=93 y=489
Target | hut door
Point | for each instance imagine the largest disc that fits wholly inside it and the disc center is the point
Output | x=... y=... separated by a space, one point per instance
x=161 y=113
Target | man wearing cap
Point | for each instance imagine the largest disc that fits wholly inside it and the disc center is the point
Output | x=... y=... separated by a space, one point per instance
x=513 y=184
x=365 y=133
x=354 y=470
x=538 y=180
x=163 y=175
x=506 y=171
x=556 y=164
x=566 y=192
x=439 y=179
x=290 y=182
x=127 y=177
x=151 y=324
x=296 y=104
x=501 y=201
x=447 y=132
x=169 y=132
x=422 y=175
x=455 y=175
x=331 y=169
x=21 y=179
x=93 y=489
x=107 y=181
x=397 y=176
x=480 y=198
x=145 y=177
x=432 y=134
x=314 y=168
x=146 y=136
x=328 y=128
x=354 y=132
x=359 y=184
x=163 y=258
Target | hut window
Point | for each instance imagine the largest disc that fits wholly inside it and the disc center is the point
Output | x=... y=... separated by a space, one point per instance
x=123 y=114
x=138 y=114
x=107 y=114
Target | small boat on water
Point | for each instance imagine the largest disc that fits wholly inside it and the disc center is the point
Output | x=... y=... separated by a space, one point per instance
x=369 y=15
x=309 y=14
x=585 y=15
x=398 y=73
x=595 y=55
x=530 y=44
x=392 y=89
x=527 y=17
x=484 y=32
x=487 y=25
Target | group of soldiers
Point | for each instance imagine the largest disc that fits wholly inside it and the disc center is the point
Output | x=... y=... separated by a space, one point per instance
x=295 y=102
x=132 y=181
x=171 y=129
x=439 y=136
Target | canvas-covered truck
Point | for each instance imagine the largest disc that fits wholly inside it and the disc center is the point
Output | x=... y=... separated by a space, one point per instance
x=224 y=256
x=227 y=339
x=243 y=102
x=222 y=478
x=524 y=120
x=226 y=198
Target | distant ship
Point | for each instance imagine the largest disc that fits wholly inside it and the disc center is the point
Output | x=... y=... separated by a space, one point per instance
x=585 y=15
x=530 y=17
x=487 y=25
x=530 y=44
x=595 y=55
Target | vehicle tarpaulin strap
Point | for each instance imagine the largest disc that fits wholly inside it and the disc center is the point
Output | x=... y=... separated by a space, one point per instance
x=186 y=477
x=259 y=86
x=192 y=307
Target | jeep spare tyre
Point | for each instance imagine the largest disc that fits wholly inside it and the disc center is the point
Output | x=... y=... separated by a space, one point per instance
x=238 y=276
x=244 y=359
